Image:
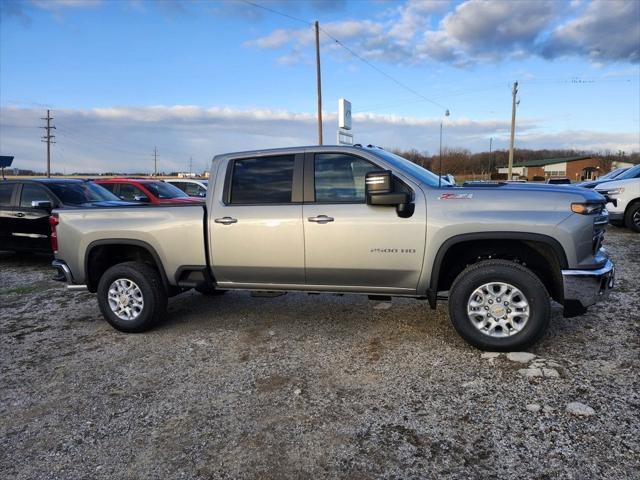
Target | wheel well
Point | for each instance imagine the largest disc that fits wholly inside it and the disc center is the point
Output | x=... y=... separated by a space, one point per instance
x=632 y=203
x=102 y=257
x=539 y=257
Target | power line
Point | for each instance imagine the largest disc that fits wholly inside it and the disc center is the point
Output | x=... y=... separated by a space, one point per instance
x=352 y=52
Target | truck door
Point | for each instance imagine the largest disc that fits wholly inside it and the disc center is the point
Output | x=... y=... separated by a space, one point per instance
x=354 y=246
x=32 y=229
x=255 y=223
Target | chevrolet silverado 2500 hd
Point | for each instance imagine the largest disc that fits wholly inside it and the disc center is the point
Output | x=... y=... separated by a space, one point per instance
x=349 y=220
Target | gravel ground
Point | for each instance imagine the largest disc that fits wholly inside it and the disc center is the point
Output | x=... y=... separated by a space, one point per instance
x=303 y=386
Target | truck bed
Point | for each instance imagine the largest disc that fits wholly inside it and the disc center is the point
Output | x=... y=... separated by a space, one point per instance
x=174 y=232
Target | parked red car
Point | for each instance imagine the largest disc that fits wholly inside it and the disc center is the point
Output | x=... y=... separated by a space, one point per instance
x=146 y=191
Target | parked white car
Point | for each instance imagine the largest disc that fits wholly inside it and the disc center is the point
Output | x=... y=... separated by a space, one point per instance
x=624 y=207
x=193 y=188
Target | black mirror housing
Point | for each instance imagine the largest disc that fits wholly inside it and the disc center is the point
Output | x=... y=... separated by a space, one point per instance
x=42 y=205
x=379 y=192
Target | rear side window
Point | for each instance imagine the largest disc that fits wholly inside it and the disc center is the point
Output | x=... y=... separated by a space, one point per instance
x=32 y=193
x=109 y=186
x=6 y=189
x=262 y=180
x=131 y=193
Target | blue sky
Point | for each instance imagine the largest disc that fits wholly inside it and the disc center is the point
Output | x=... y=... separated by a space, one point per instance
x=199 y=78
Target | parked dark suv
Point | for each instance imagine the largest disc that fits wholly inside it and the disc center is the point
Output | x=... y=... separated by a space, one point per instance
x=25 y=206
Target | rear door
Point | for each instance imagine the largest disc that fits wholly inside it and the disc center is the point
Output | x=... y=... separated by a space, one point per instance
x=255 y=225
x=7 y=219
x=31 y=230
x=354 y=246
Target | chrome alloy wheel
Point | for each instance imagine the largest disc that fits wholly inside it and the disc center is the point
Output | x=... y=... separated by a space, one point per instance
x=498 y=309
x=636 y=218
x=125 y=299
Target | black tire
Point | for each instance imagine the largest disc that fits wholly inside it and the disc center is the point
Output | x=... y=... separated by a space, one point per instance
x=504 y=271
x=632 y=216
x=152 y=291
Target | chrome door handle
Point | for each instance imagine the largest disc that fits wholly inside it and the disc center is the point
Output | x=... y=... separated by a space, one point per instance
x=321 y=219
x=19 y=215
x=226 y=220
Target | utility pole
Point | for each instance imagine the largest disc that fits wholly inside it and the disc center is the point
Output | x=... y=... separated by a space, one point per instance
x=155 y=161
x=47 y=138
x=190 y=165
x=514 y=92
x=319 y=85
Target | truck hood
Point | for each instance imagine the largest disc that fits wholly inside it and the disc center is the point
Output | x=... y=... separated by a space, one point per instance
x=536 y=189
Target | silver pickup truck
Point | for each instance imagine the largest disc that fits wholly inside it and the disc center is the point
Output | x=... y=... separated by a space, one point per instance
x=348 y=220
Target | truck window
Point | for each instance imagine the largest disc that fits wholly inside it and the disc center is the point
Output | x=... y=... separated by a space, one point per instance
x=262 y=180
x=339 y=178
x=6 y=189
x=31 y=193
x=131 y=192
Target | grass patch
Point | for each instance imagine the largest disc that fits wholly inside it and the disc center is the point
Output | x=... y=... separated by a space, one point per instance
x=23 y=290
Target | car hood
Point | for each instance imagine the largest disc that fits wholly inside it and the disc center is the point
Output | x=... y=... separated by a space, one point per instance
x=104 y=203
x=535 y=189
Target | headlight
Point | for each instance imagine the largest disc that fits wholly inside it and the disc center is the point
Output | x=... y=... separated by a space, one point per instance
x=613 y=191
x=587 y=208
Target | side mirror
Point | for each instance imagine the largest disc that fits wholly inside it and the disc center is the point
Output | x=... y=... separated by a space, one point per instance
x=379 y=192
x=42 y=205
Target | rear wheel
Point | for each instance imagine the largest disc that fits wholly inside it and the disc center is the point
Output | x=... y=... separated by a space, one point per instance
x=632 y=217
x=499 y=305
x=131 y=296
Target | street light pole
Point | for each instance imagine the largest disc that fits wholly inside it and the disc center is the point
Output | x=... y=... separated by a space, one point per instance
x=446 y=114
x=514 y=92
x=490 y=145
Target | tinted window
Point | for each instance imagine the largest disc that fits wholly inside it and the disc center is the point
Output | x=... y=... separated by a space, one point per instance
x=130 y=192
x=164 y=190
x=109 y=186
x=262 y=180
x=194 y=190
x=31 y=193
x=78 y=193
x=6 y=189
x=340 y=178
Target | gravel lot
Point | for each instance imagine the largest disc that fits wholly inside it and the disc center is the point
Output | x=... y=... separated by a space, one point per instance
x=303 y=386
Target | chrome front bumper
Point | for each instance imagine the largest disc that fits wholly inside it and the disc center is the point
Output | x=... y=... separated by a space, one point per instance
x=64 y=271
x=583 y=288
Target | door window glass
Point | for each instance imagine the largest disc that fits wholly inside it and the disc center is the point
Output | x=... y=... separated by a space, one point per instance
x=194 y=190
x=5 y=193
x=131 y=193
x=32 y=193
x=340 y=178
x=262 y=180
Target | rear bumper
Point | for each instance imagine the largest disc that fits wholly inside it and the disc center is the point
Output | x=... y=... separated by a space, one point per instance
x=583 y=288
x=65 y=275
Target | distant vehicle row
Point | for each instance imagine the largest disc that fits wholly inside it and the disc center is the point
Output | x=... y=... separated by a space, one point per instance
x=25 y=205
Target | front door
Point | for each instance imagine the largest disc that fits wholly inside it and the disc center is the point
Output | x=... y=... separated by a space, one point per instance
x=354 y=246
x=32 y=228
x=255 y=223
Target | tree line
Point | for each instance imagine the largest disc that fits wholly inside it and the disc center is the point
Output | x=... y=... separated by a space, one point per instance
x=460 y=161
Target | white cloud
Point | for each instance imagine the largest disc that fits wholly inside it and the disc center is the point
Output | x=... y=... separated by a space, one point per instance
x=608 y=30
x=122 y=138
x=484 y=31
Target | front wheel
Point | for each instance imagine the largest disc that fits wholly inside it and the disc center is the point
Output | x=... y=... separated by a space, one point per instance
x=131 y=296
x=499 y=305
x=632 y=217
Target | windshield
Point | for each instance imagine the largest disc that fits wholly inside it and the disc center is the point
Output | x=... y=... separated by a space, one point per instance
x=633 y=172
x=78 y=193
x=410 y=168
x=164 y=190
x=614 y=173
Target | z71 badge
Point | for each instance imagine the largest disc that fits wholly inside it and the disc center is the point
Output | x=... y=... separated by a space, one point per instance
x=456 y=196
